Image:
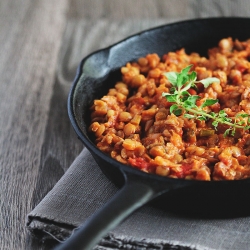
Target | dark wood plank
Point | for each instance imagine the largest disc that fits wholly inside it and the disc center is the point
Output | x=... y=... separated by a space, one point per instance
x=31 y=39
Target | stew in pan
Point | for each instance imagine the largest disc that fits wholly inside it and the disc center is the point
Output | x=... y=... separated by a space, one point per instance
x=182 y=115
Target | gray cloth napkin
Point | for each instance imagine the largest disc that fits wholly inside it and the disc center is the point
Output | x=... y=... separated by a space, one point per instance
x=84 y=188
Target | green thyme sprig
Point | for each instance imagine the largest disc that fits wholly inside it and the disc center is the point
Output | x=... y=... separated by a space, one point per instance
x=185 y=104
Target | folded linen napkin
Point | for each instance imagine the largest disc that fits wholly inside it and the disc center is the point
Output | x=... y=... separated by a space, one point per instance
x=84 y=188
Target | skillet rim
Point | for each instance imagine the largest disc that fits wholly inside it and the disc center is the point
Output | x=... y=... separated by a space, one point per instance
x=126 y=169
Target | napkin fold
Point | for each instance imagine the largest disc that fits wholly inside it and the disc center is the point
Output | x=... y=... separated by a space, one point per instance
x=84 y=189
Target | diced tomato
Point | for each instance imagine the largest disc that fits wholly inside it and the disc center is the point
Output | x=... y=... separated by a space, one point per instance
x=139 y=101
x=185 y=169
x=162 y=101
x=192 y=92
x=241 y=68
x=216 y=107
x=139 y=162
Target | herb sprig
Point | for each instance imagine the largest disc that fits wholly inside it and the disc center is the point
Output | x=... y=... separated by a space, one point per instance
x=185 y=104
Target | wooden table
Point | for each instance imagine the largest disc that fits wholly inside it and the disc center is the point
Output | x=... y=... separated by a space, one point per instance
x=41 y=44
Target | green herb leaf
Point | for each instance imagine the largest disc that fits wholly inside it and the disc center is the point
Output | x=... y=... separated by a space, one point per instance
x=181 y=80
x=191 y=101
x=185 y=104
x=222 y=113
x=206 y=82
x=187 y=87
x=189 y=116
x=215 y=124
x=243 y=115
x=175 y=110
x=227 y=132
x=208 y=102
x=172 y=77
x=186 y=70
x=201 y=118
x=171 y=98
x=192 y=76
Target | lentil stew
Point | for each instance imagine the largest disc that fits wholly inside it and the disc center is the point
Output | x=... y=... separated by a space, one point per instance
x=133 y=124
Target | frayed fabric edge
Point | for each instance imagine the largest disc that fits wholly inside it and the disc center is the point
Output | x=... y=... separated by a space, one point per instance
x=123 y=242
x=49 y=231
x=60 y=232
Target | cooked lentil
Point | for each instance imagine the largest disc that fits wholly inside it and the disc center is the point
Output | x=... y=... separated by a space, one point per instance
x=133 y=124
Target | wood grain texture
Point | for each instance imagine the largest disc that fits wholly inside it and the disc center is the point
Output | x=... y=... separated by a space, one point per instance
x=28 y=61
x=42 y=42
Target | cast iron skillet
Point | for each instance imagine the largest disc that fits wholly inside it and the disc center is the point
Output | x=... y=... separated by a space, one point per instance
x=96 y=74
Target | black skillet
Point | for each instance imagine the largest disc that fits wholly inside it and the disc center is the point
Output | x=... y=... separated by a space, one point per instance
x=96 y=74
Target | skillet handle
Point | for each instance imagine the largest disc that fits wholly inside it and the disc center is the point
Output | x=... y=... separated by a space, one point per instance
x=132 y=196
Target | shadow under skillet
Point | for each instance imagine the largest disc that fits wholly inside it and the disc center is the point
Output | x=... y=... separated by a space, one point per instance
x=189 y=202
